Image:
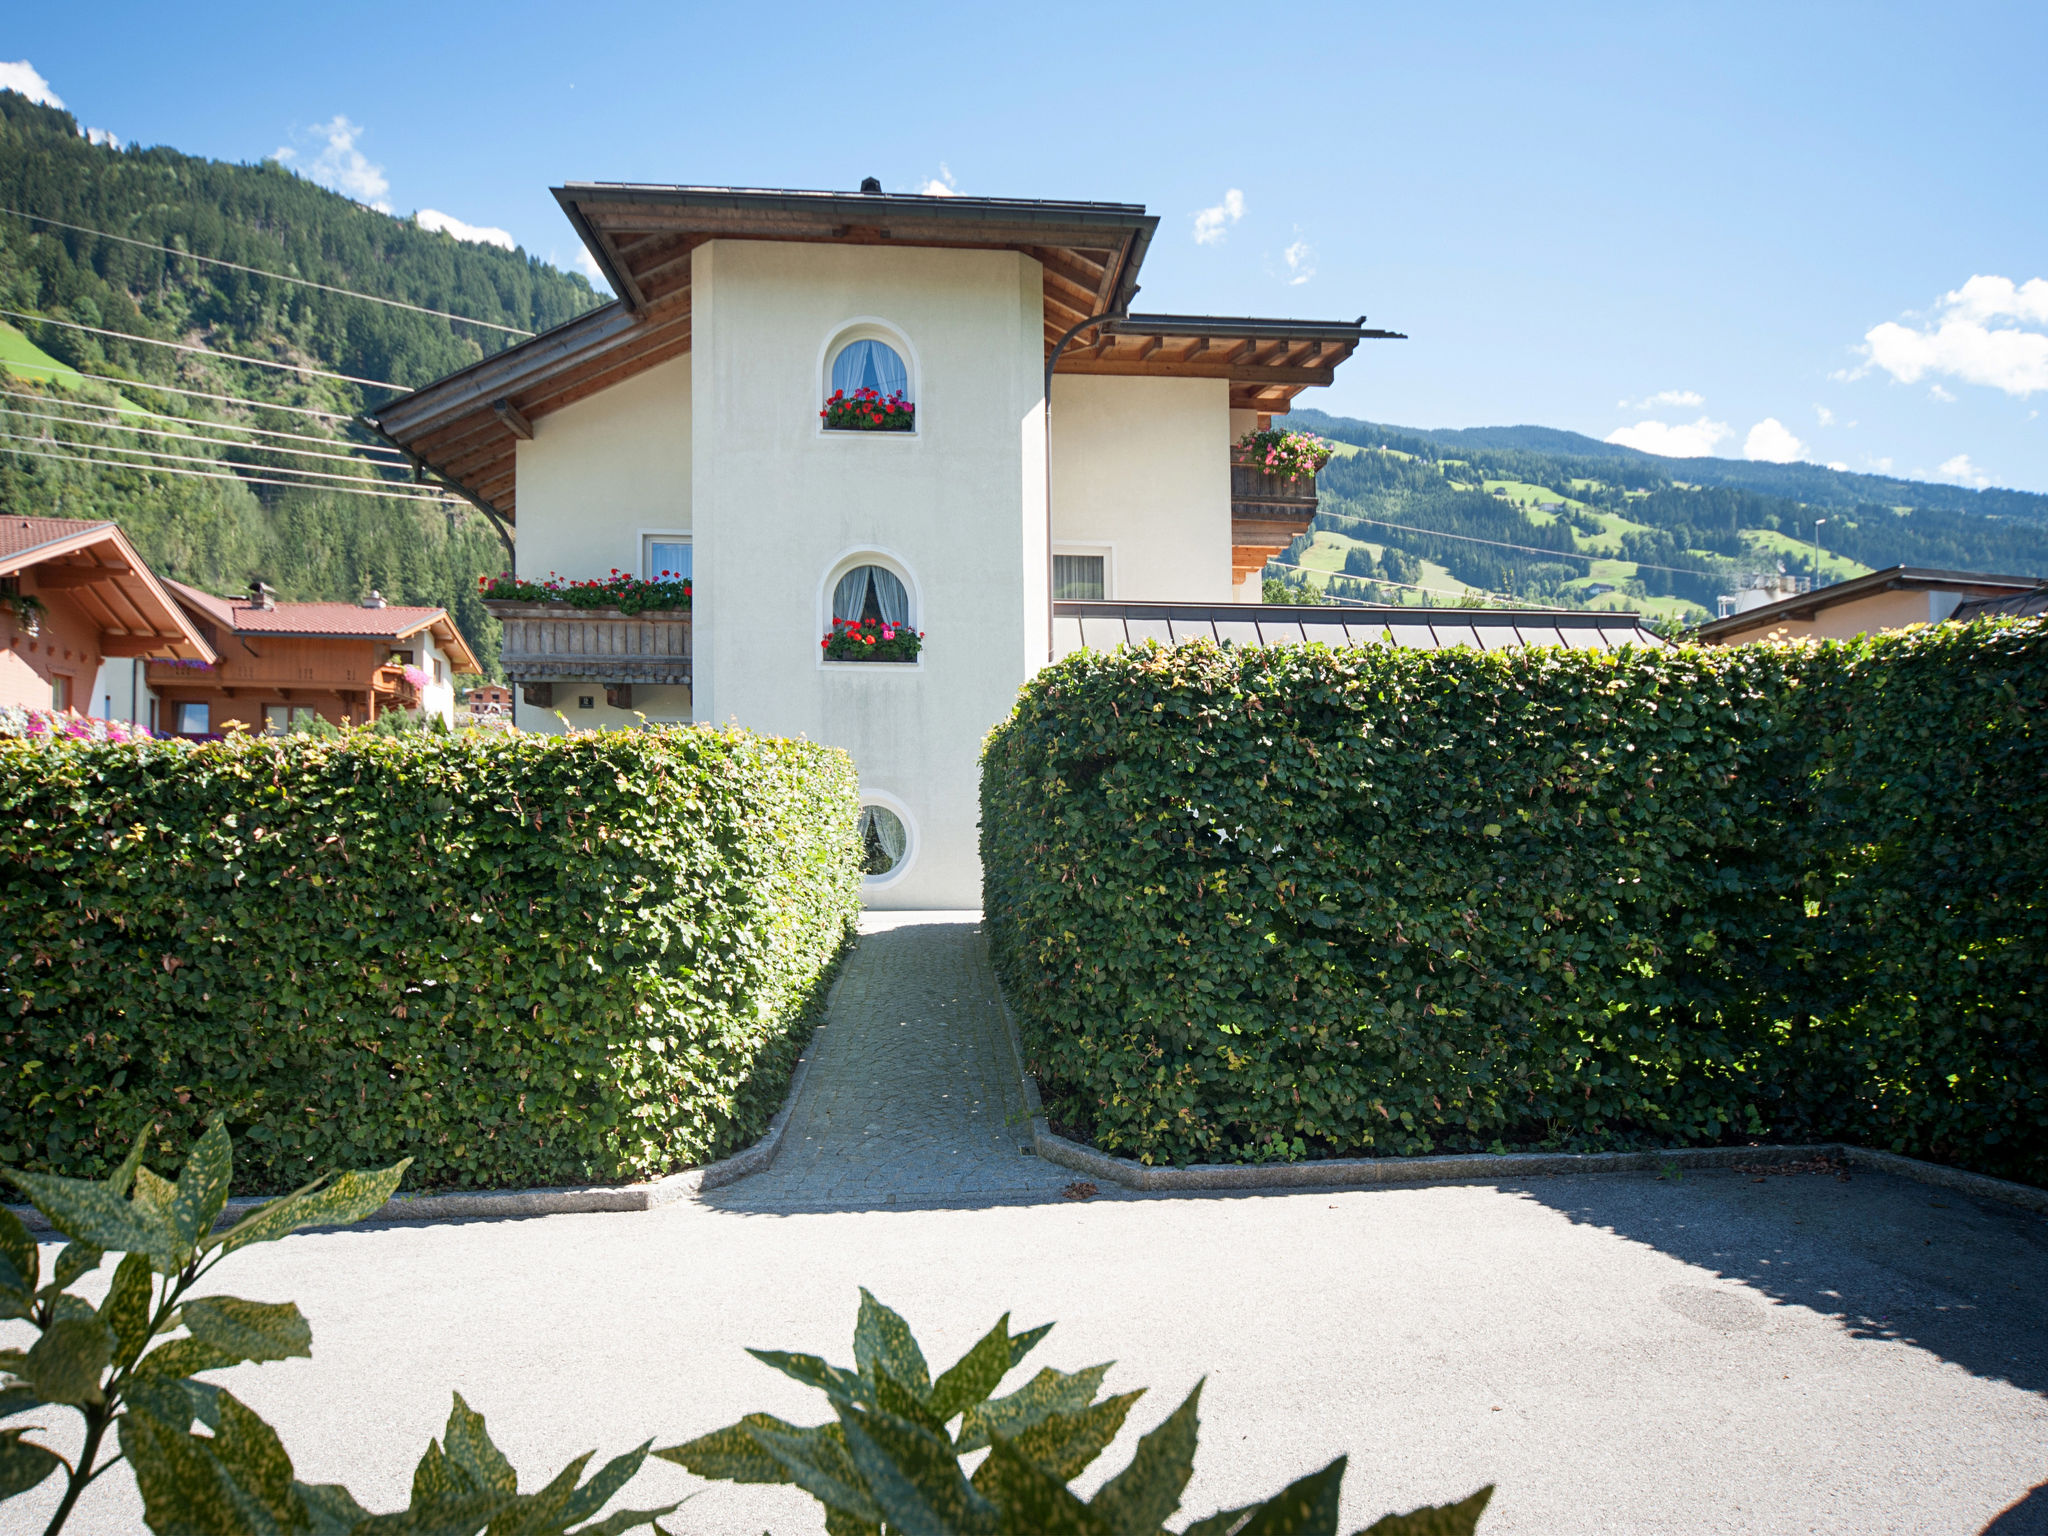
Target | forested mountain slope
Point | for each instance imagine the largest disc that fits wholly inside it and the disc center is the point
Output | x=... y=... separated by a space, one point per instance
x=1442 y=509
x=347 y=517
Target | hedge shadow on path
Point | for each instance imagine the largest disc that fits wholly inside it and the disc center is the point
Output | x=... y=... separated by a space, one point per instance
x=1886 y=1258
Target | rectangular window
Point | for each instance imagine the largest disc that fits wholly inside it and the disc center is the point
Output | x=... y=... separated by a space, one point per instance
x=304 y=712
x=193 y=720
x=1077 y=578
x=276 y=720
x=398 y=659
x=665 y=557
x=60 y=692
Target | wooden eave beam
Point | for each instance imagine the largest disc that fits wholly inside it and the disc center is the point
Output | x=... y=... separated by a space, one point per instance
x=1150 y=345
x=514 y=419
x=1205 y=367
x=1195 y=349
x=60 y=578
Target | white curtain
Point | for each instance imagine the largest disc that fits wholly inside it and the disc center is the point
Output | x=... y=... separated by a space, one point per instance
x=850 y=596
x=890 y=596
x=887 y=831
x=870 y=365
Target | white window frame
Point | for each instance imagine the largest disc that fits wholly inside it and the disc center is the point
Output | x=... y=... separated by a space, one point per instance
x=867 y=328
x=889 y=560
x=911 y=841
x=1108 y=553
x=666 y=536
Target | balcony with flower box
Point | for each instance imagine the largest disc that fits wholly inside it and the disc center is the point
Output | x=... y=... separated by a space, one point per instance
x=1272 y=495
x=617 y=632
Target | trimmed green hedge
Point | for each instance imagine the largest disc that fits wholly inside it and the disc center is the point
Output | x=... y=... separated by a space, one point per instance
x=1294 y=903
x=516 y=959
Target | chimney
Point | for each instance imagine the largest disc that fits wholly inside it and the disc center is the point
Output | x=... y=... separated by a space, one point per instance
x=870 y=184
x=374 y=600
x=262 y=594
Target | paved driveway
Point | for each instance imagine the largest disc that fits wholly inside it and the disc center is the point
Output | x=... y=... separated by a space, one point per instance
x=1620 y=1354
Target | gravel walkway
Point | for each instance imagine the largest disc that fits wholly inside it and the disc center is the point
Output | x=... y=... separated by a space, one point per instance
x=912 y=1099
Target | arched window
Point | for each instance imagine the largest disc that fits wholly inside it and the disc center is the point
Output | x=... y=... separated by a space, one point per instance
x=869 y=593
x=870 y=364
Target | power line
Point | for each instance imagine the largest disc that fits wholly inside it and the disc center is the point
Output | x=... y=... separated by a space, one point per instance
x=172 y=389
x=1562 y=554
x=200 y=474
x=186 y=458
x=195 y=437
x=306 y=282
x=190 y=421
x=179 y=346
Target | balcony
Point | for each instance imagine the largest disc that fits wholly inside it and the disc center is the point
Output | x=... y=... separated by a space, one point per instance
x=1267 y=513
x=549 y=643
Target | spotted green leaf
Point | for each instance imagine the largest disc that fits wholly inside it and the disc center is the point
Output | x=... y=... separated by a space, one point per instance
x=126 y=1309
x=202 y=1191
x=179 y=1358
x=20 y=1265
x=976 y=1374
x=1459 y=1519
x=1050 y=1391
x=1065 y=1444
x=1138 y=1499
x=346 y=1198
x=64 y=1365
x=22 y=1465
x=812 y=1371
x=249 y=1330
x=468 y=1445
x=253 y=1459
x=914 y=1477
x=1305 y=1507
x=74 y=1261
x=1033 y=1501
x=732 y=1454
x=91 y=1213
x=330 y=1509
x=819 y=1462
x=882 y=1340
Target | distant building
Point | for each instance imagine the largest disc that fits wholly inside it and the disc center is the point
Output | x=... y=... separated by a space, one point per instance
x=489 y=701
x=79 y=614
x=278 y=662
x=1888 y=599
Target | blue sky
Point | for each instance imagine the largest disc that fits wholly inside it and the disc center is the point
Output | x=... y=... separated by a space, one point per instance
x=1790 y=230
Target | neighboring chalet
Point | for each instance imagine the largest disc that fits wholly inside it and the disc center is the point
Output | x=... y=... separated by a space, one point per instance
x=939 y=415
x=1863 y=605
x=280 y=662
x=74 y=598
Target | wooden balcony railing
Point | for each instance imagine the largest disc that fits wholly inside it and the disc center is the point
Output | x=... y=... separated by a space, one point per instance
x=549 y=643
x=1267 y=513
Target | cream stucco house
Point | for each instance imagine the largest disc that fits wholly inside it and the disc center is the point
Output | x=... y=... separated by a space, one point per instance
x=681 y=428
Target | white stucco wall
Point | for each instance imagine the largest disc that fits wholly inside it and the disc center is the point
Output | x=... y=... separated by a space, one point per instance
x=593 y=480
x=1142 y=466
x=779 y=507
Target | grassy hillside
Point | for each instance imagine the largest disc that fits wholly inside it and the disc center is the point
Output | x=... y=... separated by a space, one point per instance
x=346 y=523
x=1551 y=516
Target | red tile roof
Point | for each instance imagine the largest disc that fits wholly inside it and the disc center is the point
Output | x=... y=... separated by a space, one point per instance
x=244 y=617
x=23 y=533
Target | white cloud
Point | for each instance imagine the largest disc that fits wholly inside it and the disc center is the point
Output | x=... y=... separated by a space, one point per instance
x=1679 y=399
x=1999 y=298
x=475 y=234
x=1772 y=441
x=587 y=265
x=342 y=166
x=941 y=185
x=1673 y=440
x=1301 y=263
x=24 y=77
x=1938 y=393
x=1837 y=464
x=101 y=137
x=1211 y=224
x=1960 y=469
x=1963 y=342
x=1882 y=466
x=1827 y=417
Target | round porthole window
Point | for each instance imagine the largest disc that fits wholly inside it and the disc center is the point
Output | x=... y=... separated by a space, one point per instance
x=883 y=842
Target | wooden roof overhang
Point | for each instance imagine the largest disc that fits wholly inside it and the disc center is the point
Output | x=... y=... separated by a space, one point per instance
x=1268 y=362
x=99 y=570
x=465 y=428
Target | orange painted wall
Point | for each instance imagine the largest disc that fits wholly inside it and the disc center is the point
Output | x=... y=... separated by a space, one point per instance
x=332 y=677
x=68 y=647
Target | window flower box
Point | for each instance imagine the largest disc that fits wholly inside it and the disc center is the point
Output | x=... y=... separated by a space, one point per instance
x=868 y=410
x=871 y=640
x=564 y=642
x=618 y=592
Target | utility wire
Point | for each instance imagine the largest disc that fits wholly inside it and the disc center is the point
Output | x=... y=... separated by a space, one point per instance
x=186 y=458
x=1562 y=554
x=172 y=389
x=195 y=437
x=306 y=282
x=200 y=474
x=189 y=421
x=179 y=346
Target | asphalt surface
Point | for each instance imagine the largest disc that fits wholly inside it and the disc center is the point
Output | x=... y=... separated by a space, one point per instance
x=1618 y=1353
